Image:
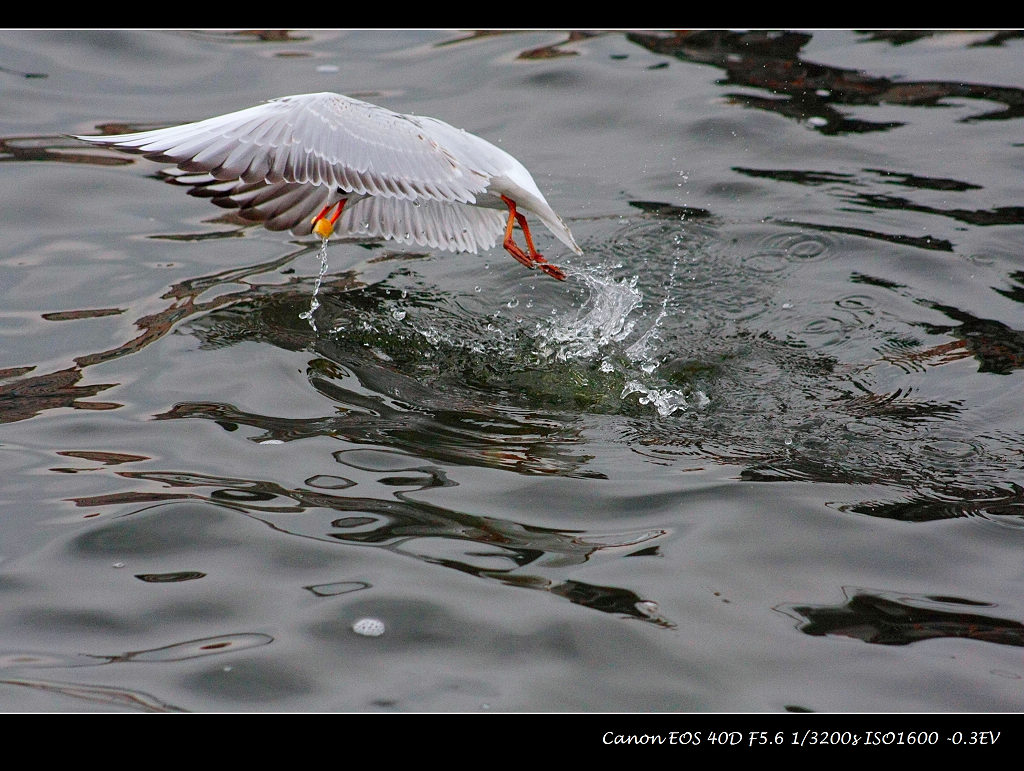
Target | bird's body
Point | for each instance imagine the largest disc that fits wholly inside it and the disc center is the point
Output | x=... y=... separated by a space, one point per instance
x=409 y=178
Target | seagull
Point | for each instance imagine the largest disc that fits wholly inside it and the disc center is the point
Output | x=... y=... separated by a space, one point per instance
x=327 y=163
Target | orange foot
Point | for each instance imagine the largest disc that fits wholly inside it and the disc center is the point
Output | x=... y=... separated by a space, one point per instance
x=324 y=227
x=534 y=259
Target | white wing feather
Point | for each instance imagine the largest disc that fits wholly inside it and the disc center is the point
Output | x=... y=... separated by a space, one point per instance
x=286 y=205
x=426 y=182
x=317 y=139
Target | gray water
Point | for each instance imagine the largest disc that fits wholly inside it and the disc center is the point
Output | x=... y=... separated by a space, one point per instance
x=762 y=451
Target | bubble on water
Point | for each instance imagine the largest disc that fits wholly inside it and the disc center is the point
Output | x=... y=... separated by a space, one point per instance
x=368 y=627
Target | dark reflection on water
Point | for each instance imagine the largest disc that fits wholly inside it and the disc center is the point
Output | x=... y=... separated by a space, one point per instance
x=1000 y=215
x=115 y=699
x=27 y=394
x=807 y=90
x=951 y=501
x=897 y=619
x=484 y=547
x=996 y=346
x=788 y=362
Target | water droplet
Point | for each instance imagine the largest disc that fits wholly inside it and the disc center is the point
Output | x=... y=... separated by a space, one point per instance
x=314 y=303
x=369 y=627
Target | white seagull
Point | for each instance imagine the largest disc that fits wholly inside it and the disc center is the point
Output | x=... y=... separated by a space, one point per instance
x=289 y=162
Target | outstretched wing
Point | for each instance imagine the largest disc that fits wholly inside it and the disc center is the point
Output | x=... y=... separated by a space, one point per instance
x=325 y=140
x=454 y=226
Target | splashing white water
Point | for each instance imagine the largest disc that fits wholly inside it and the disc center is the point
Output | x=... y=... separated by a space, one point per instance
x=639 y=351
x=603 y=319
x=603 y=322
x=314 y=303
x=665 y=400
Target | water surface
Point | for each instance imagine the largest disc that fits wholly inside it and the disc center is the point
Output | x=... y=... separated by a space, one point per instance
x=762 y=451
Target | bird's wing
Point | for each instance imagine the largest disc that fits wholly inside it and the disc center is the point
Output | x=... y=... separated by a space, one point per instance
x=289 y=206
x=322 y=139
x=278 y=205
x=457 y=227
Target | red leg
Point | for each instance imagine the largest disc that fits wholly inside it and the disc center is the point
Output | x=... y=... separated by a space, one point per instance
x=534 y=259
x=510 y=245
x=323 y=212
x=320 y=216
x=341 y=205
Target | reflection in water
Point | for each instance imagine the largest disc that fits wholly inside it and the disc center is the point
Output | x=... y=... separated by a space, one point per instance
x=112 y=698
x=490 y=440
x=996 y=346
x=25 y=395
x=552 y=51
x=121 y=698
x=950 y=501
x=889 y=618
x=808 y=91
x=848 y=189
x=511 y=553
x=1000 y=215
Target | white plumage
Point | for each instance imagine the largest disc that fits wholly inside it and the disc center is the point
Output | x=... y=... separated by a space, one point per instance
x=408 y=178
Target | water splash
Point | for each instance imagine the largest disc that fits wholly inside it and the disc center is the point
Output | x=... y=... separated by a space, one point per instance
x=665 y=400
x=608 y=327
x=601 y=321
x=639 y=351
x=314 y=303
